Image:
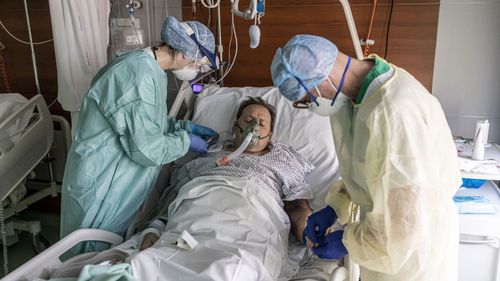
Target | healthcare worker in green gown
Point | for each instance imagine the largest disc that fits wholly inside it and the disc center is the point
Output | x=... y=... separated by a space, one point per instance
x=124 y=134
x=398 y=163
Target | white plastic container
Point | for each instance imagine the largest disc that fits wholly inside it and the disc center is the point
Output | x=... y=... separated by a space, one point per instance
x=484 y=125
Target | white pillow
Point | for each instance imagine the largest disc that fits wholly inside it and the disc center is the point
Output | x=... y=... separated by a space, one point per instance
x=308 y=133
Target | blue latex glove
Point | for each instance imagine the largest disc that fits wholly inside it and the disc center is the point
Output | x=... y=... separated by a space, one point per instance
x=318 y=222
x=203 y=132
x=333 y=247
x=197 y=144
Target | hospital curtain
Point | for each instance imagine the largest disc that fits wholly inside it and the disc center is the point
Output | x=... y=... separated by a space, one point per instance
x=81 y=36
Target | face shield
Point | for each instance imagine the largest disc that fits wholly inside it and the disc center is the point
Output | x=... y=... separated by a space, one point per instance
x=209 y=60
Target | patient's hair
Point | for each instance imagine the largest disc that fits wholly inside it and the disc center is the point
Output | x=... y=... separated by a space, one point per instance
x=258 y=101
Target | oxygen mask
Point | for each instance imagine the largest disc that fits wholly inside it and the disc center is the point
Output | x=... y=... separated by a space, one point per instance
x=250 y=135
x=253 y=130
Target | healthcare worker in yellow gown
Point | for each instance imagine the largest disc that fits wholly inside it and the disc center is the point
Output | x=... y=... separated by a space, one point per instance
x=398 y=163
x=124 y=134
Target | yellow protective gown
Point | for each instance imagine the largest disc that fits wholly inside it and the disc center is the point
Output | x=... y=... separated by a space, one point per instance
x=399 y=165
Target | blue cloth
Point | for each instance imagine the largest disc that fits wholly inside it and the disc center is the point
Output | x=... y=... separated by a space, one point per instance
x=333 y=248
x=307 y=57
x=318 y=222
x=197 y=144
x=122 y=137
x=176 y=36
x=472 y=183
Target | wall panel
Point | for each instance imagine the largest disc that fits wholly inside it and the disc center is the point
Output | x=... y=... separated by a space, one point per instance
x=17 y=56
x=412 y=35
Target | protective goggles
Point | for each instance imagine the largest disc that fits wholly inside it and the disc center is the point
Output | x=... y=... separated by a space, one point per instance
x=305 y=103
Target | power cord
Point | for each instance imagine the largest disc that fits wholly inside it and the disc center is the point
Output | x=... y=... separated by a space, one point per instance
x=388 y=29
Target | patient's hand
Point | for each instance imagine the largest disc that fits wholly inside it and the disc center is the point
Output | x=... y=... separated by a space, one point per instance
x=148 y=241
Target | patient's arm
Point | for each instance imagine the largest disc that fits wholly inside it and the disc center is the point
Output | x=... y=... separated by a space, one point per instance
x=148 y=241
x=297 y=211
x=152 y=233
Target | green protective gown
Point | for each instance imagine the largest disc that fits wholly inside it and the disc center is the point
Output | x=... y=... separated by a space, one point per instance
x=123 y=137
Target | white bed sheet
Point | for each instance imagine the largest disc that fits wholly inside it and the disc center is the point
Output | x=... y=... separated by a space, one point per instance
x=305 y=131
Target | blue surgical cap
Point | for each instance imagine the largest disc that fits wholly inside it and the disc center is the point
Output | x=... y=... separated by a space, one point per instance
x=177 y=37
x=307 y=57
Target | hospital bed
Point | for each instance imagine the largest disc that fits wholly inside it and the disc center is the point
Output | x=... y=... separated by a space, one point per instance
x=216 y=107
x=26 y=134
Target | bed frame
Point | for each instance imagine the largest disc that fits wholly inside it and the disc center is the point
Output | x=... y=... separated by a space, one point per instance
x=18 y=157
x=43 y=264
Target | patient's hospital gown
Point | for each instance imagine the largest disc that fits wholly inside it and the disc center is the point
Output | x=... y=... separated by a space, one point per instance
x=281 y=171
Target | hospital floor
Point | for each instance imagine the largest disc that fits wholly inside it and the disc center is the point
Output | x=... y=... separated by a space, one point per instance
x=22 y=251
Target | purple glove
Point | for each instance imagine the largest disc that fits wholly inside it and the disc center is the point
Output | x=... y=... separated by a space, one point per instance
x=197 y=144
x=318 y=222
x=333 y=249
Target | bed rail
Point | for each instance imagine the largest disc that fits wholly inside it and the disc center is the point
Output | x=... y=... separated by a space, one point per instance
x=18 y=156
x=42 y=265
x=184 y=97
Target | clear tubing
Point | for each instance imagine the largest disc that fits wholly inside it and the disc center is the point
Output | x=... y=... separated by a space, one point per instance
x=224 y=161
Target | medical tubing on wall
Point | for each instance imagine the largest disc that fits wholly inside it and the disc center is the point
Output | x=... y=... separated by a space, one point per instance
x=219 y=45
x=4 y=240
x=210 y=4
x=227 y=159
x=235 y=52
x=33 y=57
x=388 y=30
x=209 y=18
x=3 y=73
x=22 y=41
x=366 y=49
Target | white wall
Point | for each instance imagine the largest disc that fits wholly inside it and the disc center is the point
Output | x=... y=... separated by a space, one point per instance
x=467 y=65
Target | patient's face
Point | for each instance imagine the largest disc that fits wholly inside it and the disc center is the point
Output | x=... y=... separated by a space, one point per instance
x=260 y=113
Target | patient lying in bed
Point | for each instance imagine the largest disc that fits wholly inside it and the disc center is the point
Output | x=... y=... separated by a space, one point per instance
x=240 y=214
x=277 y=169
x=231 y=222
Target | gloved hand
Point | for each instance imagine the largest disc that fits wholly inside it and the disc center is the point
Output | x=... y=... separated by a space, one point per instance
x=203 y=132
x=318 y=222
x=333 y=248
x=197 y=144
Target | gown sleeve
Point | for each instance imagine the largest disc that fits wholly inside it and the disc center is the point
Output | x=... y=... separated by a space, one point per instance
x=146 y=134
x=394 y=175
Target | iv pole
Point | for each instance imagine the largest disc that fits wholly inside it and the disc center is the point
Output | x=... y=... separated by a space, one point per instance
x=352 y=28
